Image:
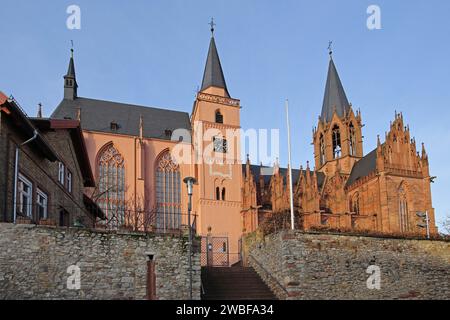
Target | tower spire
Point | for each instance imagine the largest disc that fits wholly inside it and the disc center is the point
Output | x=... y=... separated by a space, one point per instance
x=213 y=74
x=334 y=98
x=70 y=80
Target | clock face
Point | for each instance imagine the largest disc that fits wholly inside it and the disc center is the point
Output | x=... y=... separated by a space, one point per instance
x=220 y=145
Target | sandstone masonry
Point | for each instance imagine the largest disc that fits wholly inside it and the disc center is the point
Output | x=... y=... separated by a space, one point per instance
x=34 y=262
x=298 y=265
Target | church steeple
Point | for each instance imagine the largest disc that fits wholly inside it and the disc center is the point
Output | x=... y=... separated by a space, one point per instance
x=334 y=98
x=213 y=75
x=338 y=136
x=70 y=81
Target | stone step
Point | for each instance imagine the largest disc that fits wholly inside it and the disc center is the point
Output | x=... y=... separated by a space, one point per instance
x=234 y=283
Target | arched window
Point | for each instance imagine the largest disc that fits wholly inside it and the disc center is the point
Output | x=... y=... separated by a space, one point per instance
x=168 y=194
x=322 y=150
x=336 y=137
x=403 y=209
x=219 y=117
x=354 y=204
x=352 y=140
x=223 y=194
x=111 y=185
x=217 y=193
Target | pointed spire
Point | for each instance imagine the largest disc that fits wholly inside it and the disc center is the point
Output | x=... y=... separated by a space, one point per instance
x=334 y=98
x=424 y=152
x=39 y=113
x=70 y=80
x=71 y=69
x=213 y=75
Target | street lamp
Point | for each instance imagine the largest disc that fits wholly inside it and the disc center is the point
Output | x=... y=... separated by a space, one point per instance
x=190 y=186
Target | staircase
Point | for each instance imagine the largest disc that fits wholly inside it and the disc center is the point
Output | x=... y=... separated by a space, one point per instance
x=234 y=283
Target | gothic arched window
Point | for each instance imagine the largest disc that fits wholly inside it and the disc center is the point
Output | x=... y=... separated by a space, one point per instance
x=223 y=194
x=336 y=137
x=322 y=150
x=217 y=193
x=403 y=209
x=168 y=193
x=219 y=117
x=352 y=140
x=111 y=184
x=354 y=204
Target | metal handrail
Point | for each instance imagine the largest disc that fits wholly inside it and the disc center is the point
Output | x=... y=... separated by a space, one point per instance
x=269 y=274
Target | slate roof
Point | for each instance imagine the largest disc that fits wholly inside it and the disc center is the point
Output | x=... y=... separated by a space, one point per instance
x=334 y=96
x=213 y=75
x=256 y=169
x=71 y=69
x=97 y=115
x=363 y=167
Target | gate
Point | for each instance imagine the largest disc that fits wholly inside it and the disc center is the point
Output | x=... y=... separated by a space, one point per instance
x=215 y=252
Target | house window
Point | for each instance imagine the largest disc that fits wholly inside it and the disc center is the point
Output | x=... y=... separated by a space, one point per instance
x=220 y=145
x=24 y=196
x=61 y=173
x=336 y=137
x=168 y=193
x=111 y=168
x=42 y=204
x=219 y=117
x=223 y=194
x=69 y=181
x=217 y=193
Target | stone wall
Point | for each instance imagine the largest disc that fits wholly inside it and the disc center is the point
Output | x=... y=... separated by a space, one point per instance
x=34 y=262
x=329 y=266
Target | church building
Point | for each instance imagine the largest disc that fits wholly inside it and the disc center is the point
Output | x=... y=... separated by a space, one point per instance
x=140 y=185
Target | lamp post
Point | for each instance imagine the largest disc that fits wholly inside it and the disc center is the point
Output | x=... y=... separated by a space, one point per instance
x=190 y=186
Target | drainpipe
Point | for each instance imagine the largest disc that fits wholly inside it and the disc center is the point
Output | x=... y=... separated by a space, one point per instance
x=16 y=171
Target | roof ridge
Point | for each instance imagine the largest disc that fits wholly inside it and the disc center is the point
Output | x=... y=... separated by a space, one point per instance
x=132 y=105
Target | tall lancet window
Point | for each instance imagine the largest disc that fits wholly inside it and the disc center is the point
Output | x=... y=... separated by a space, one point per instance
x=322 y=150
x=111 y=198
x=336 y=137
x=168 y=194
x=403 y=209
x=352 y=139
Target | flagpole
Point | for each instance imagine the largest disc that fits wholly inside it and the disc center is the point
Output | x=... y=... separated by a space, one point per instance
x=290 y=166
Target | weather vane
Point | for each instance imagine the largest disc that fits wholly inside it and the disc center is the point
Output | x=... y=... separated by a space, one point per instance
x=71 y=49
x=212 y=24
x=330 y=51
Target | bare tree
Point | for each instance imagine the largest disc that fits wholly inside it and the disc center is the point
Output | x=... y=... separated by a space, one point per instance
x=446 y=224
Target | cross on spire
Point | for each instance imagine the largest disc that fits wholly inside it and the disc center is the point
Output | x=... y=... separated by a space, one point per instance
x=330 y=49
x=212 y=24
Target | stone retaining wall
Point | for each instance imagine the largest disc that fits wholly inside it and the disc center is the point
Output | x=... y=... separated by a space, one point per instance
x=34 y=262
x=328 y=266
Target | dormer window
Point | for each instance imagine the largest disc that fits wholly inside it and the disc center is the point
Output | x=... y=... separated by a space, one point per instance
x=114 y=126
x=219 y=117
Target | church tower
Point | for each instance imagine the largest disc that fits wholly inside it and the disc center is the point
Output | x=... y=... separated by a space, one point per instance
x=337 y=138
x=70 y=80
x=217 y=165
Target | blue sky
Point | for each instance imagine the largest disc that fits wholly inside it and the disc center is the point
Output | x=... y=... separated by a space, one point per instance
x=153 y=53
